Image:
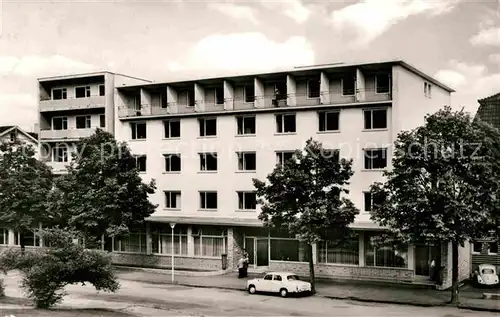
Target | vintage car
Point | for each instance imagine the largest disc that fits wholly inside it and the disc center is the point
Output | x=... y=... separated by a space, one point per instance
x=486 y=275
x=279 y=282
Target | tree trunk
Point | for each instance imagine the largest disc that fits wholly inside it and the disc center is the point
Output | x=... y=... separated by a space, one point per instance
x=455 y=298
x=311 y=269
x=21 y=241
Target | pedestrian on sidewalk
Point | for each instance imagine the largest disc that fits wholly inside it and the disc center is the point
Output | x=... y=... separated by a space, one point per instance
x=241 y=267
x=245 y=263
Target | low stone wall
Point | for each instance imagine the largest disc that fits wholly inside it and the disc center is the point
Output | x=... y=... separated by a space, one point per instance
x=347 y=272
x=159 y=261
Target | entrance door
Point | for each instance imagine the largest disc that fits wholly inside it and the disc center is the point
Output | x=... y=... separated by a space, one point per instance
x=250 y=247
x=262 y=251
x=424 y=255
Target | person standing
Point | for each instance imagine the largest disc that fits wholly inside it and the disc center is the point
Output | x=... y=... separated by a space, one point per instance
x=241 y=267
x=245 y=263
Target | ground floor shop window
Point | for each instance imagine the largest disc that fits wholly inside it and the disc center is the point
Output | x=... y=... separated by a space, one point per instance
x=161 y=236
x=289 y=250
x=134 y=242
x=384 y=255
x=209 y=241
x=4 y=236
x=346 y=253
x=28 y=238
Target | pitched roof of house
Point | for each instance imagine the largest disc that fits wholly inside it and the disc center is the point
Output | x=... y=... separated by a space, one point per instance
x=7 y=128
x=489 y=110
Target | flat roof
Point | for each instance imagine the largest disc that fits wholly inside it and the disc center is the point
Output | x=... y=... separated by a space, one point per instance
x=89 y=74
x=299 y=70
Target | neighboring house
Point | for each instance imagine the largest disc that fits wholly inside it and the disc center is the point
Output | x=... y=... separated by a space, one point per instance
x=486 y=251
x=203 y=140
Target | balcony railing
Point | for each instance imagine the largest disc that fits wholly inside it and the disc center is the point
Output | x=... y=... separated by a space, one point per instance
x=73 y=103
x=259 y=102
x=58 y=167
x=66 y=134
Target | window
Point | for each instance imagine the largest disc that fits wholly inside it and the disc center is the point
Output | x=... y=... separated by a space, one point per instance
x=4 y=236
x=102 y=121
x=384 y=255
x=289 y=250
x=247 y=161
x=328 y=121
x=493 y=248
x=208 y=127
x=209 y=241
x=138 y=130
x=60 y=153
x=382 y=83
x=172 y=129
x=172 y=162
x=249 y=93
x=313 y=88
x=161 y=236
x=477 y=247
x=285 y=123
x=348 y=86
x=102 y=90
x=60 y=123
x=13 y=136
x=30 y=238
x=347 y=253
x=59 y=93
x=208 y=200
x=247 y=201
x=140 y=163
x=375 y=119
x=375 y=159
x=173 y=199
x=83 y=122
x=277 y=278
x=268 y=277
x=82 y=92
x=427 y=90
x=282 y=157
x=190 y=98
x=246 y=125
x=135 y=242
x=208 y=161
x=219 y=95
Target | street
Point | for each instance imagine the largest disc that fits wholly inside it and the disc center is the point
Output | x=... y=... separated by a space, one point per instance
x=145 y=299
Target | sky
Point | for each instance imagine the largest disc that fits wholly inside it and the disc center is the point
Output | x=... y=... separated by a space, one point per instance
x=456 y=41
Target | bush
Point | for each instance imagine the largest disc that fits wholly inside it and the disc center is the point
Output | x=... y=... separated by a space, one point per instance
x=47 y=271
x=2 y=288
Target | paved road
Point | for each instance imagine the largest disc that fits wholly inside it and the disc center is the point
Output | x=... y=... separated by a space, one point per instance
x=172 y=300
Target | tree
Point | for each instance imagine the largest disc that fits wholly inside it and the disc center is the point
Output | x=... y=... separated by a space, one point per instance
x=304 y=198
x=442 y=185
x=102 y=193
x=25 y=183
x=47 y=271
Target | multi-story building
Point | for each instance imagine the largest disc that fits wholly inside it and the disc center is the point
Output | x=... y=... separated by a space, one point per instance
x=486 y=251
x=72 y=107
x=204 y=141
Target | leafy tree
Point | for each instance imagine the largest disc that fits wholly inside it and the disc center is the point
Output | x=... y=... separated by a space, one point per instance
x=47 y=271
x=442 y=185
x=304 y=198
x=25 y=183
x=102 y=193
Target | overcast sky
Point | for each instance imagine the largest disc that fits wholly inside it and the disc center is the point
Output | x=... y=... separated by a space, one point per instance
x=456 y=41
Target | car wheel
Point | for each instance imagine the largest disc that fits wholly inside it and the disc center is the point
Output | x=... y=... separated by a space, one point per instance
x=283 y=292
x=252 y=289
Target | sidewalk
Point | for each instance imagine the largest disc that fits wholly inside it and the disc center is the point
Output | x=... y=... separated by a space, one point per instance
x=347 y=290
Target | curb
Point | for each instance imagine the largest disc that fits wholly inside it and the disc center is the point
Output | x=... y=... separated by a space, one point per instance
x=358 y=299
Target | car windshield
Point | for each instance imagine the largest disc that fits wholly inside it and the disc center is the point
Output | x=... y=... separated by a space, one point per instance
x=488 y=271
x=292 y=278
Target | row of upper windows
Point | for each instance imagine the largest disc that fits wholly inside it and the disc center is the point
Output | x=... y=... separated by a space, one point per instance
x=491 y=247
x=374 y=159
x=82 y=122
x=328 y=121
x=80 y=92
x=247 y=200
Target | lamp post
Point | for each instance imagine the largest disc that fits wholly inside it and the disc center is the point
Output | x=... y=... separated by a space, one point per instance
x=172 y=225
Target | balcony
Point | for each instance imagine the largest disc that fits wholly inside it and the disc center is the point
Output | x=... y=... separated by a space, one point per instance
x=72 y=134
x=261 y=102
x=58 y=167
x=91 y=102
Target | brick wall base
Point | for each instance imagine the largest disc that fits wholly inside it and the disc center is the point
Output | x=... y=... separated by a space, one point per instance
x=164 y=262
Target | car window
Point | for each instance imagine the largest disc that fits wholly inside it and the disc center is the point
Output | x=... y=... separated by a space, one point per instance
x=268 y=277
x=277 y=277
x=293 y=278
x=488 y=271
